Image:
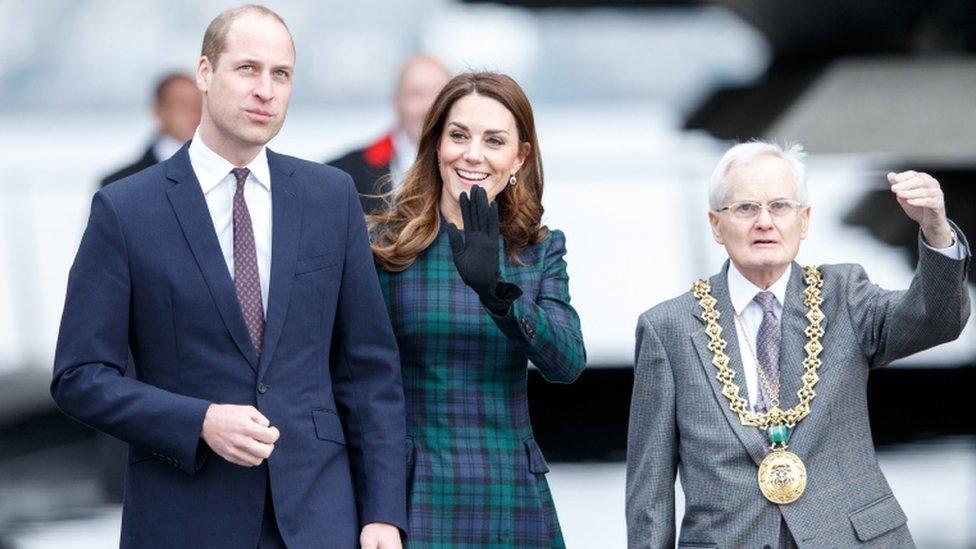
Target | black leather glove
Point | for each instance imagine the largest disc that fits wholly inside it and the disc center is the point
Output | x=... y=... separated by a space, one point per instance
x=476 y=252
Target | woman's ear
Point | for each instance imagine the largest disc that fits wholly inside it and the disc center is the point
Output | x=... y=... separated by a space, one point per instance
x=524 y=149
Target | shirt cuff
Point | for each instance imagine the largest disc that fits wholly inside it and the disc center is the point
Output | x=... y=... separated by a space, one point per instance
x=953 y=251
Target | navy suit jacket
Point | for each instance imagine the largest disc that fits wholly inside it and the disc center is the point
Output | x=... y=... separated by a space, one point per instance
x=150 y=276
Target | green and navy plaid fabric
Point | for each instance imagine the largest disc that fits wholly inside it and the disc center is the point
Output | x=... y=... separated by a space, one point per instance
x=477 y=476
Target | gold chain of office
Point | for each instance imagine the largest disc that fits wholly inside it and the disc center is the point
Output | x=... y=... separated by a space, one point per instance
x=812 y=300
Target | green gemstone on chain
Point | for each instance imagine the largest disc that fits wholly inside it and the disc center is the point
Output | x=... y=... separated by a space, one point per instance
x=779 y=434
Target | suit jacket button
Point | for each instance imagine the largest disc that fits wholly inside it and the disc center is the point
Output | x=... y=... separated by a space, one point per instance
x=263 y=388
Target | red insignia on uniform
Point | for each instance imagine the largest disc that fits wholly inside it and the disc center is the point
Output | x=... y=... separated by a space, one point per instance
x=380 y=153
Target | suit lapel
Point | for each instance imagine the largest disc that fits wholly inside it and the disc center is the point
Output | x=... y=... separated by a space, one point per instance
x=751 y=437
x=792 y=340
x=190 y=206
x=285 y=233
x=792 y=352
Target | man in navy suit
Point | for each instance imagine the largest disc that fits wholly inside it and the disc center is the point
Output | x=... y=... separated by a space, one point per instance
x=267 y=408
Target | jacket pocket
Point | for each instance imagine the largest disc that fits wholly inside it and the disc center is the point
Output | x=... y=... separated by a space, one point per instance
x=316 y=263
x=879 y=517
x=537 y=463
x=697 y=545
x=327 y=426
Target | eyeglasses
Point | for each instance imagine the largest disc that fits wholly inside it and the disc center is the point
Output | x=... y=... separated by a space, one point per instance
x=748 y=209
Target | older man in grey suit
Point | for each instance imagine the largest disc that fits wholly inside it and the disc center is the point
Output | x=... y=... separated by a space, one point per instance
x=753 y=384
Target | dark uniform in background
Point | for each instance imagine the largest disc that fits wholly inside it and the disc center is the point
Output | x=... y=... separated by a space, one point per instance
x=379 y=167
x=176 y=106
x=370 y=170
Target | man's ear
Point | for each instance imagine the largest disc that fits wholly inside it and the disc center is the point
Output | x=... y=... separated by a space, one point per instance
x=805 y=220
x=204 y=72
x=713 y=221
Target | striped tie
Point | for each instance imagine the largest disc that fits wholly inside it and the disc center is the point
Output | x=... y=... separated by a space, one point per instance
x=767 y=348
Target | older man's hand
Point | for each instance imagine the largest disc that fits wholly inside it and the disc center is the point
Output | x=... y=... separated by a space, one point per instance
x=920 y=195
x=379 y=535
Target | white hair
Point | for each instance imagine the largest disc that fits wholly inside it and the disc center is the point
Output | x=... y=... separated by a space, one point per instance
x=792 y=153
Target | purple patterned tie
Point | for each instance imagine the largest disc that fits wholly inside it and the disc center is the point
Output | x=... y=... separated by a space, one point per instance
x=247 y=282
x=767 y=348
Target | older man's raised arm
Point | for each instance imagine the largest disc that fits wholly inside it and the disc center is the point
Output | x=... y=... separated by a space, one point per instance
x=936 y=305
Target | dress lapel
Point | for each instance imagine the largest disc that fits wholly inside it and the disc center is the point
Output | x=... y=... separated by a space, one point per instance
x=190 y=206
x=285 y=233
x=751 y=437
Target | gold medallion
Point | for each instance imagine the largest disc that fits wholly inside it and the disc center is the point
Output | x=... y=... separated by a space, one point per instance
x=782 y=477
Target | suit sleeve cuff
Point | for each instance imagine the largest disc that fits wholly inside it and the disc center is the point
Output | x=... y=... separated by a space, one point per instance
x=953 y=251
x=192 y=451
x=394 y=517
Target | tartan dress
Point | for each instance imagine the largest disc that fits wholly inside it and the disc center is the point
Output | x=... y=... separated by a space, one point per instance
x=476 y=474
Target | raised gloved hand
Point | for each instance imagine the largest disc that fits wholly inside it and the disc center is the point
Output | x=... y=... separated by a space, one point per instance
x=476 y=252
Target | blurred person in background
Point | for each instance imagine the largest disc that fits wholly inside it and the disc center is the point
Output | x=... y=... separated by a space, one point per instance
x=476 y=287
x=267 y=407
x=177 y=111
x=754 y=384
x=380 y=167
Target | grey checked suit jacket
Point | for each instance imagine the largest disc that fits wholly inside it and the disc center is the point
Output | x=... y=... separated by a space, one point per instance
x=680 y=421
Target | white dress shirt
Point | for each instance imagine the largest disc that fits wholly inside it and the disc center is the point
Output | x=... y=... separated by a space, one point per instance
x=742 y=292
x=404 y=153
x=219 y=185
x=165 y=146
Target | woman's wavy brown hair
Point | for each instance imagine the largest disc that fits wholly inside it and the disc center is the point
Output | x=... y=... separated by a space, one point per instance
x=412 y=221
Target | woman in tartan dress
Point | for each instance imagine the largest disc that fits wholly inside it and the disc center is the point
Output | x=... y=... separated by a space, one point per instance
x=476 y=287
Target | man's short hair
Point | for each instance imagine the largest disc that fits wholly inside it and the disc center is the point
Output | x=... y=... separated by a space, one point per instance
x=215 y=39
x=792 y=153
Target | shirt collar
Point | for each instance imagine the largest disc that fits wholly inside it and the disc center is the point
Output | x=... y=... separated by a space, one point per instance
x=742 y=291
x=404 y=149
x=165 y=147
x=211 y=168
